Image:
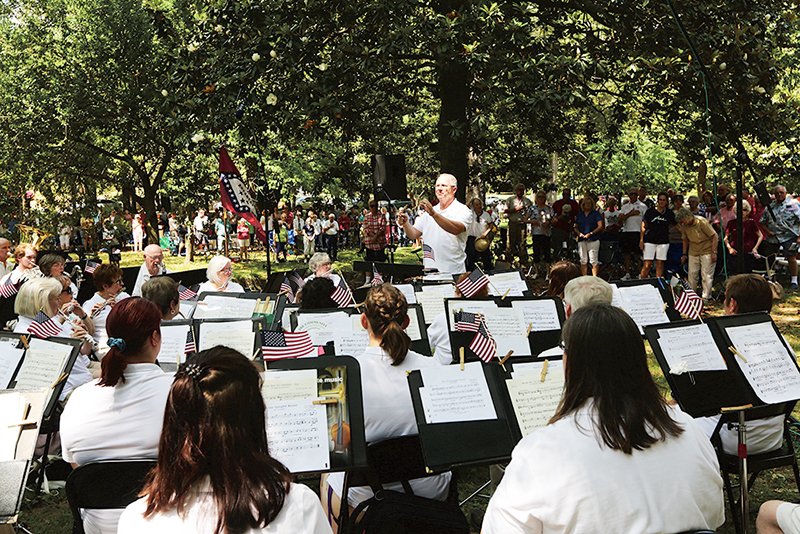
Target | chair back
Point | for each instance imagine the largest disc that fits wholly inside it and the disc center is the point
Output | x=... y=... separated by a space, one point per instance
x=105 y=485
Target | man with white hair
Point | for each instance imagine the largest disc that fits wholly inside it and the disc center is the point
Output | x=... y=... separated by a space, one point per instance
x=153 y=266
x=782 y=222
x=585 y=290
x=5 y=250
x=443 y=228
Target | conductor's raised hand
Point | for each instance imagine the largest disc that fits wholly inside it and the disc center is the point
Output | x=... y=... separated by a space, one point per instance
x=427 y=206
x=402 y=219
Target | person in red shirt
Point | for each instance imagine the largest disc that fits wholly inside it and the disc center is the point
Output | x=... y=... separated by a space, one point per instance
x=344 y=228
x=561 y=236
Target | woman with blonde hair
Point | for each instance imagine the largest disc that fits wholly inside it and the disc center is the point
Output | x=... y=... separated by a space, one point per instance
x=388 y=412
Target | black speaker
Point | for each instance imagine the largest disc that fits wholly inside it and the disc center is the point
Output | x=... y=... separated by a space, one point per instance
x=389 y=175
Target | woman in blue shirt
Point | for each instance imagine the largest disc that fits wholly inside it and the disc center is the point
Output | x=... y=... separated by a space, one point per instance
x=588 y=225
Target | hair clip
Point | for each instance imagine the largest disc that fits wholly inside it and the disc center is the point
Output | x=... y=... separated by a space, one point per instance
x=118 y=343
x=194 y=371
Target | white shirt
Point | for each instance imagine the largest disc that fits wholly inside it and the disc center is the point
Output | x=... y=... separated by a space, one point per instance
x=448 y=249
x=79 y=374
x=200 y=222
x=634 y=222
x=331 y=227
x=335 y=278
x=478 y=224
x=439 y=339
x=562 y=478
x=143 y=276
x=301 y=514
x=5 y=269
x=389 y=413
x=115 y=423
x=100 y=333
x=230 y=287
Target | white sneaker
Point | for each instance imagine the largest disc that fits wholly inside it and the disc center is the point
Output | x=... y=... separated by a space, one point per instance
x=626 y=277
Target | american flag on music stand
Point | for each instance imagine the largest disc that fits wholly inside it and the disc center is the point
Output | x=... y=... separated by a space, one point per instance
x=44 y=326
x=483 y=344
x=341 y=295
x=689 y=303
x=286 y=288
x=427 y=252
x=467 y=321
x=280 y=345
x=377 y=278
x=186 y=293
x=8 y=288
x=476 y=281
x=190 y=346
x=91 y=266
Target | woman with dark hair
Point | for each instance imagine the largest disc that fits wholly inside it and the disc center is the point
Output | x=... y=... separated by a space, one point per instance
x=615 y=457
x=119 y=416
x=561 y=272
x=316 y=294
x=214 y=472
x=110 y=291
x=388 y=412
x=163 y=292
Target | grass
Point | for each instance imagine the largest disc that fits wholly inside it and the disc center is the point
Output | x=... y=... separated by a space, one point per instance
x=50 y=513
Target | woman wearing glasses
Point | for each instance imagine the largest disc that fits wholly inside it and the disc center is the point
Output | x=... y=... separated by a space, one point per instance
x=108 y=278
x=219 y=274
x=53 y=265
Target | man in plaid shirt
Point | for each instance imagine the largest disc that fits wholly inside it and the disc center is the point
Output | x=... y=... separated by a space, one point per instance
x=374 y=232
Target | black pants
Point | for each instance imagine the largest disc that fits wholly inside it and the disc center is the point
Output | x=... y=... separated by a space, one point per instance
x=541 y=248
x=332 y=245
x=375 y=255
x=474 y=256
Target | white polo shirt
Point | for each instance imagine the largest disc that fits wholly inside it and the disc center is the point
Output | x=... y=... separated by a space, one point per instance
x=634 y=222
x=448 y=249
x=100 y=333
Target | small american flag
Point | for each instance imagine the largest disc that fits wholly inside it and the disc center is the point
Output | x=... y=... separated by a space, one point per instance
x=689 y=303
x=476 y=281
x=8 y=288
x=190 y=347
x=91 y=266
x=483 y=344
x=427 y=251
x=341 y=295
x=467 y=321
x=186 y=293
x=286 y=288
x=280 y=345
x=44 y=326
x=377 y=278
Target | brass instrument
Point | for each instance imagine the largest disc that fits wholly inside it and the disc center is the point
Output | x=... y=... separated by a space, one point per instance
x=483 y=242
x=34 y=236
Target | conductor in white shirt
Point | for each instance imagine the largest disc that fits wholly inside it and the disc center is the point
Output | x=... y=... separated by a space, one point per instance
x=442 y=227
x=153 y=266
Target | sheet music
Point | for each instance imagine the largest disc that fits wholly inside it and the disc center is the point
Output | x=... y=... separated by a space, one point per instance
x=438 y=277
x=352 y=343
x=506 y=325
x=408 y=291
x=769 y=368
x=13 y=409
x=431 y=298
x=450 y=395
x=540 y=314
x=10 y=356
x=43 y=364
x=644 y=304
x=535 y=401
x=237 y=335
x=323 y=327
x=224 y=307
x=511 y=282
x=286 y=318
x=413 y=329
x=187 y=308
x=690 y=348
x=289 y=385
x=173 y=343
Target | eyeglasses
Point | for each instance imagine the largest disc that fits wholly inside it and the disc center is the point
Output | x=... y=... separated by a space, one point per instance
x=67 y=290
x=226 y=270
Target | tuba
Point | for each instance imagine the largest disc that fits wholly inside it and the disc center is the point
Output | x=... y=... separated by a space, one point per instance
x=34 y=236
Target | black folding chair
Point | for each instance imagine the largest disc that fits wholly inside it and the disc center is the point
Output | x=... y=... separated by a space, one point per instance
x=104 y=485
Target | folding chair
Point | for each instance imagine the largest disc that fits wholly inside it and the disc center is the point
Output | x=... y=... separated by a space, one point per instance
x=390 y=461
x=756 y=463
x=104 y=485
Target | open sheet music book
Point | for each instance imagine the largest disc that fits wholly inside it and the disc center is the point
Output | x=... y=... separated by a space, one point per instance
x=237 y=334
x=510 y=284
x=14 y=409
x=46 y=366
x=11 y=352
x=726 y=361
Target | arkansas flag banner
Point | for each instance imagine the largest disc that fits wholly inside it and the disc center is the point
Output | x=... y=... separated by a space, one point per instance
x=235 y=196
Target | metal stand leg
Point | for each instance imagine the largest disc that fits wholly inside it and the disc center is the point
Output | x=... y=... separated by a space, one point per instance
x=474 y=493
x=744 y=503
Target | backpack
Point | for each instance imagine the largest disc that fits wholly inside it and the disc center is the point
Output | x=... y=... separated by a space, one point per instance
x=393 y=512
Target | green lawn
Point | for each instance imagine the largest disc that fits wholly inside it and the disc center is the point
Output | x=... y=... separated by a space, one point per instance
x=50 y=514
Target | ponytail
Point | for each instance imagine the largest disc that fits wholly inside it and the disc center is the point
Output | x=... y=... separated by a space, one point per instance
x=395 y=342
x=112 y=366
x=129 y=325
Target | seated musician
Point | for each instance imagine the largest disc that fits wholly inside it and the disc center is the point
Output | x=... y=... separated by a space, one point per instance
x=44 y=294
x=560 y=273
x=110 y=290
x=119 y=416
x=439 y=336
x=316 y=295
x=163 y=292
x=615 y=457
x=584 y=291
x=219 y=273
x=388 y=412
x=321 y=266
x=747 y=293
x=214 y=471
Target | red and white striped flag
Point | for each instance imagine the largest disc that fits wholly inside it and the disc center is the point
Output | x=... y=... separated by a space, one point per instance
x=476 y=281
x=190 y=347
x=91 y=266
x=427 y=252
x=8 y=288
x=44 y=326
x=342 y=295
x=483 y=344
x=377 y=278
x=467 y=321
x=186 y=293
x=689 y=303
x=280 y=345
